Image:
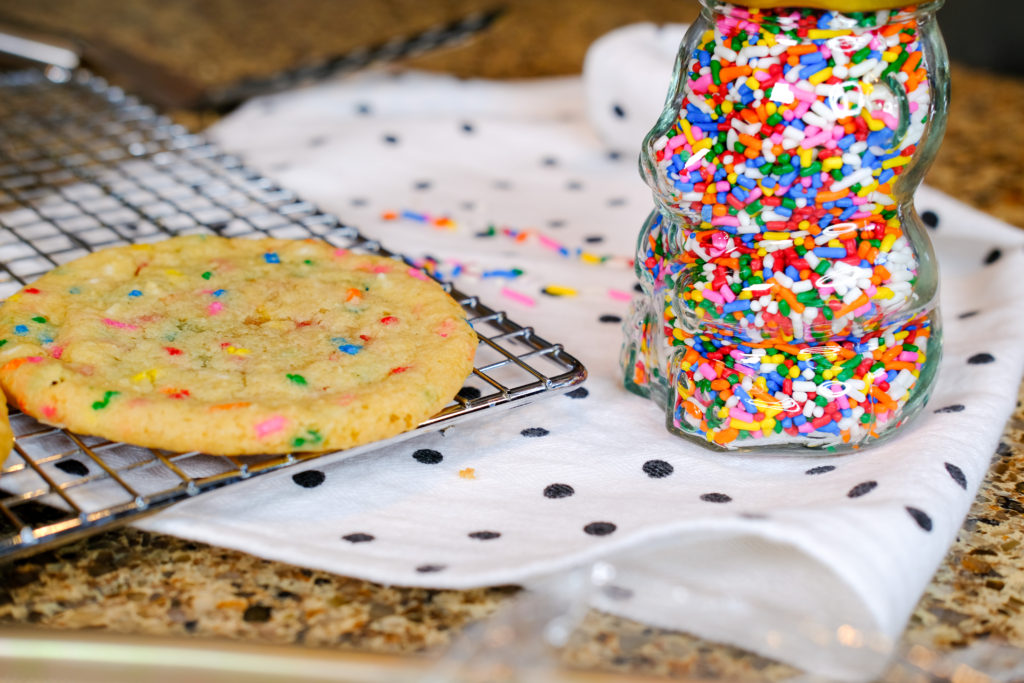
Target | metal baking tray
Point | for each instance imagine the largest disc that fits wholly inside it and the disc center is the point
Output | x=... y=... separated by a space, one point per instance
x=85 y=166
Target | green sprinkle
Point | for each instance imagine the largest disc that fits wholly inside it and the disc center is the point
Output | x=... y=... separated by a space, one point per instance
x=2 y=342
x=207 y=275
x=308 y=262
x=107 y=395
x=298 y=379
x=311 y=437
x=39 y=319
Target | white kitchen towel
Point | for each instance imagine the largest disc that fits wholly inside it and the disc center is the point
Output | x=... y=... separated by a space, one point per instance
x=814 y=560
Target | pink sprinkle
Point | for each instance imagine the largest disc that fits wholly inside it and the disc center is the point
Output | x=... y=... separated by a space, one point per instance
x=49 y=412
x=727 y=294
x=908 y=356
x=518 y=297
x=619 y=295
x=381 y=269
x=741 y=414
x=271 y=426
x=446 y=327
x=339 y=253
x=215 y=308
x=548 y=242
x=418 y=274
x=119 y=324
x=708 y=371
x=57 y=352
x=712 y=295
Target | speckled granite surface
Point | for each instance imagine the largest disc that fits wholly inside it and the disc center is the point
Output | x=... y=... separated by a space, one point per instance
x=130 y=581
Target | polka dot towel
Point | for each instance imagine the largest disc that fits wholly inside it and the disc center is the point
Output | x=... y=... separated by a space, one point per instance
x=520 y=192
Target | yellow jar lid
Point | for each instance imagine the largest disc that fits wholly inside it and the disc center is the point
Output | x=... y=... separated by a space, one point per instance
x=835 y=5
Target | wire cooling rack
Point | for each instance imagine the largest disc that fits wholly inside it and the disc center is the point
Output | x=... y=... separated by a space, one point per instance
x=84 y=166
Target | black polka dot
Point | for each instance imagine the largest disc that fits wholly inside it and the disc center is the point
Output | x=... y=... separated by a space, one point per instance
x=549 y=161
x=617 y=201
x=556 y=223
x=957 y=474
x=614 y=155
x=981 y=359
x=469 y=393
x=363 y=109
x=968 y=314
x=359 y=201
x=993 y=256
x=468 y=128
x=657 y=469
x=429 y=568
x=617 y=593
x=955 y=408
x=318 y=141
x=358 y=538
x=485 y=233
x=922 y=519
x=930 y=218
x=422 y=185
x=73 y=467
x=427 y=456
x=535 y=431
x=862 y=488
x=593 y=239
x=821 y=469
x=484 y=535
x=610 y=318
x=753 y=515
x=599 y=528
x=502 y=185
x=637 y=288
x=391 y=139
x=574 y=185
x=716 y=498
x=581 y=392
x=309 y=479
x=558 y=491
x=619 y=111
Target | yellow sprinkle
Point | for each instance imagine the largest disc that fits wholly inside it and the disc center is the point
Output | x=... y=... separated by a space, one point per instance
x=678 y=334
x=835 y=243
x=723 y=412
x=173 y=272
x=794 y=372
x=771 y=108
x=873 y=123
x=823 y=34
x=753 y=83
x=587 y=257
x=884 y=293
x=806 y=158
x=827 y=373
x=732 y=178
x=14 y=297
x=236 y=351
x=776 y=235
x=697 y=296
x=901 y=335
x=890 y=56
x=821 y=76
x=868 y=189
x=767 y=425
x=559 y=290
x=726 y=107
x=746 y=426
x=832 y=164
x=887 y=243
x=687 y=130
x=150 y=374
x=704 y=143
x=468 y=473
x=895 y=161
x=769 y=38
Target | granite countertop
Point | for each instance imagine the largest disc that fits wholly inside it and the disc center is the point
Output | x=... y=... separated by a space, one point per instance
x=130 y=581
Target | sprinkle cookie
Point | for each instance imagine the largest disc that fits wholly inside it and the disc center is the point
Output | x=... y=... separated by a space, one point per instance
x=234 y=346
x=6 y=435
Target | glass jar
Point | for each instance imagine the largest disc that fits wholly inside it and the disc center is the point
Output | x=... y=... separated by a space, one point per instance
x=789 y=287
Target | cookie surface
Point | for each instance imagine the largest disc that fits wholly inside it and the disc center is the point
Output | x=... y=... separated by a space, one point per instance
x=234 y=346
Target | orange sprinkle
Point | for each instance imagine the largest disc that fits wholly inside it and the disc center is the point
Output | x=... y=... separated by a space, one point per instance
x=727 y=436
x=852 y=306
x=229 y=406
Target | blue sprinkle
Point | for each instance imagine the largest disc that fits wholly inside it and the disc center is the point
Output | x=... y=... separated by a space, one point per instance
x=74 y=290
x=135 y=292
x=45 y=340
x=20 y=329
x=738 y=305
x=830 y=252
x=219 y=292
x=350 y=349
x=271 y=257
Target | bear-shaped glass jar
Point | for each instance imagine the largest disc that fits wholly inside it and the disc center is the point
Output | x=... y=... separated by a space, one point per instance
x=789 y=287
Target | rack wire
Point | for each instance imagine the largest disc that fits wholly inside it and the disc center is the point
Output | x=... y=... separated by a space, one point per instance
x=83 y=166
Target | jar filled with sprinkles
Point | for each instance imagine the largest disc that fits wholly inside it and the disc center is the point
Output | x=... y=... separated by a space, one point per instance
x=789 y=288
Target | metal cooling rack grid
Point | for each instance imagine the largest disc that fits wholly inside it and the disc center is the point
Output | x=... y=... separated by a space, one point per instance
x=84 y=166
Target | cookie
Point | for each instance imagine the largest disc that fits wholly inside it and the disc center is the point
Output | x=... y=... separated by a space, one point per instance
x=234 y=346
x=6 y=435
